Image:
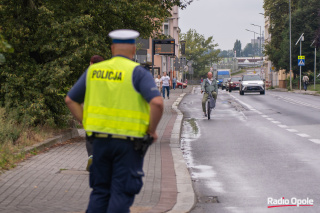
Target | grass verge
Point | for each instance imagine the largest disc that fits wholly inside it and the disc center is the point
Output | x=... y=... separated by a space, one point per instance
x=15 y=136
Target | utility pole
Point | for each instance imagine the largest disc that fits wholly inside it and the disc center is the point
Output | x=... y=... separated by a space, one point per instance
x=300 y=40
x=254 y=41
x=290 y=45
x=315 y=63
x=260 y=52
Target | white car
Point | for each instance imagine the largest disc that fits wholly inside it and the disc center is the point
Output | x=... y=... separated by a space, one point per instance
x=251 y=83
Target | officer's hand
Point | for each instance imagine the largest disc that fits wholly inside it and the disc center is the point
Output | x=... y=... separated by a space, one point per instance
x=154 y=135
x=201 y=91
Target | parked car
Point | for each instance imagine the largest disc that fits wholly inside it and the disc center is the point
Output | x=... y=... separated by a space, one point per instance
x=180 y=84
x=233 y=84
x=251 y=83
x=224 y=83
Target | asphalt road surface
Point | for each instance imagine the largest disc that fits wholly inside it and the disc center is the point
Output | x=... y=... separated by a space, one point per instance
x=258 y=153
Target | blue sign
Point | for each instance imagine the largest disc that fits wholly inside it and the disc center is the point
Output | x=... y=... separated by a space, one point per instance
x=301 y=62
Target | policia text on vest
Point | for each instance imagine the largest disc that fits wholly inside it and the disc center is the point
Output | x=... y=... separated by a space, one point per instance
x=109 y=75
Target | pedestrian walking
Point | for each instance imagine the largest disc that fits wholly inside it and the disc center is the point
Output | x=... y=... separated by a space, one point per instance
x=121 y=106
x=157 y=81
x=174 y=82
x=94 y=59
x=165 y=84
x=305 y=80
x=201 y=80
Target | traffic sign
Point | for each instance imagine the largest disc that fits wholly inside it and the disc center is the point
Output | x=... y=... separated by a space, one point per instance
x=301 y=60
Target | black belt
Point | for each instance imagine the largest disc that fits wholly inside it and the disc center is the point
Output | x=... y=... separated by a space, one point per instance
x=104 y=135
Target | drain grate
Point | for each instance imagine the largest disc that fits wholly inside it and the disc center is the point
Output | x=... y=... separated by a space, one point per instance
x=208 y=199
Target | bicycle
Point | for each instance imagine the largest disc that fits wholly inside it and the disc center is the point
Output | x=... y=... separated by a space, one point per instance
x=211 y=103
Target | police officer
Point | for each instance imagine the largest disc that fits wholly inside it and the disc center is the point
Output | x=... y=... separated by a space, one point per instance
x=121 y=105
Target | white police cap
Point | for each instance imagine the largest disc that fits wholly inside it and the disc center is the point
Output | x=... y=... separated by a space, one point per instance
x=124 y=36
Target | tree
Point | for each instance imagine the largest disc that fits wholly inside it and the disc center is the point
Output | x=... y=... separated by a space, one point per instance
x=223 y=53
x=4 y=48
x=237 y=48
x=248 y=50
x=305 y=20
x=53 y=42
x=200 y=50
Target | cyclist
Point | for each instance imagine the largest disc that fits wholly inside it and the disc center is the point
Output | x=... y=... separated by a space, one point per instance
x=209 y=85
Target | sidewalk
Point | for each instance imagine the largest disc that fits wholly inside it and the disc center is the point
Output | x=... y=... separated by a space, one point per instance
x=56 y=181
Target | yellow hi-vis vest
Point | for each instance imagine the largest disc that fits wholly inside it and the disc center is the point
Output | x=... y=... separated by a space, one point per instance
x=112 y=105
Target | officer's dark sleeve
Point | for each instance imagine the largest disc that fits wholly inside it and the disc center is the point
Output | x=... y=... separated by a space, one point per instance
x=78 y=90
x=144 y=83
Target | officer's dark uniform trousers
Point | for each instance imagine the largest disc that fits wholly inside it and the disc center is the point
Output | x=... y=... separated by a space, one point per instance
x=115 y=175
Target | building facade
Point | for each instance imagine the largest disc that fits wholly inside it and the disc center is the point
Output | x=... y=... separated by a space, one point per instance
x=163 y=63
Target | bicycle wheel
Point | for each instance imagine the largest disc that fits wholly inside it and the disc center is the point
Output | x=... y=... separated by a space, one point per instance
x=208 y=109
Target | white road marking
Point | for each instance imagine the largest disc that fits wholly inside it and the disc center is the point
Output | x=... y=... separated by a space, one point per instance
x=317 y=141
x=276 y=122
x=292 y=130
x=285 y=99
x=304 y=135
x=293 y=101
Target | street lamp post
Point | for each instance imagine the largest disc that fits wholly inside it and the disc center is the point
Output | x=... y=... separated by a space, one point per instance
x=260 y=52
x=254 y=41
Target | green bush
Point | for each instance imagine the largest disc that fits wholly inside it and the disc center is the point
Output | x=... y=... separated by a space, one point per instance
x=53 y=43
x=9 y=132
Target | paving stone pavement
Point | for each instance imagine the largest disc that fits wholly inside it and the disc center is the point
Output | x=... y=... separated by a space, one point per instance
x=56 y=181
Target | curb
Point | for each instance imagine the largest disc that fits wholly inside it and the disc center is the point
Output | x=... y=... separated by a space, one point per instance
x=71 y=133
x=186 y=195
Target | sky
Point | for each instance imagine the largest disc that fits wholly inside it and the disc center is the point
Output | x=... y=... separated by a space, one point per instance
x=225 y=20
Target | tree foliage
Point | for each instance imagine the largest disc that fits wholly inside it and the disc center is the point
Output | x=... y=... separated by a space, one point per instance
x=53 y=42
x=200 y=50
x=5 y=47
x=237 y=47
x=248 y=50
x=305 y=19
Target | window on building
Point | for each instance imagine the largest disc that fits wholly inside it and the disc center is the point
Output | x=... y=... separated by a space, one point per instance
x=166 y=28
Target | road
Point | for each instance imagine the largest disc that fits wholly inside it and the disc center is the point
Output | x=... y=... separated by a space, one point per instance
x=256 y=151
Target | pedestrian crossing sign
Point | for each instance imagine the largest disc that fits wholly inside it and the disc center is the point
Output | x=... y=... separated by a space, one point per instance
x=301 y=60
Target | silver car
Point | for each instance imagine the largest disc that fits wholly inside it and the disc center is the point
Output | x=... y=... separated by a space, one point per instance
x=251 y=83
